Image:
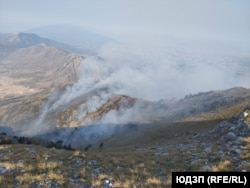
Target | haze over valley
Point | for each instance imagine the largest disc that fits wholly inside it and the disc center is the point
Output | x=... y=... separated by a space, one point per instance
x=37 y=65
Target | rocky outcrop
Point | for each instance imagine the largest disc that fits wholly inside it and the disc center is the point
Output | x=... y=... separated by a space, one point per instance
x=229 y=136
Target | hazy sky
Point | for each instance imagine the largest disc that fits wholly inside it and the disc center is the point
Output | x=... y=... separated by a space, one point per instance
x=215 y=24
x=221 y=20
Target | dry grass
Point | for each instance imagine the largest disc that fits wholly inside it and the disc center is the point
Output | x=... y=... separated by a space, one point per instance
x=125 y=166
x=245 y=154
x=222 y=166
x=126 y=169
x=153 y=181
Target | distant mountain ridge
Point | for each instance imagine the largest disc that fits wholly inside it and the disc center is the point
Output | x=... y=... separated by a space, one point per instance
x=23 y=40
x=76 y=36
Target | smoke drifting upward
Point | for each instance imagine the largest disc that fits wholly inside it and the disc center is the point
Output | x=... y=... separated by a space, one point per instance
x=147 y=73
x=163 y=73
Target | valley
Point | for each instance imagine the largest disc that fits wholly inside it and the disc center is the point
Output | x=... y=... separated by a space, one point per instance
x=67 y=120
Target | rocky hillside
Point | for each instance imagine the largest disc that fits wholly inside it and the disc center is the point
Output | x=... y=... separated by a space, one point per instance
x=123 y=116
x=53 y=134
x=213 y=105
x=152 y=153
x=28 y=74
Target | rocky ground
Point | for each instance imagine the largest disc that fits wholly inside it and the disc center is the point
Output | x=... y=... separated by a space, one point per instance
x=224 y=146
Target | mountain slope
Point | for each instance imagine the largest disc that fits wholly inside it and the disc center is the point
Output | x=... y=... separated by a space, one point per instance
x=23 y=40
x=132 y=120
x=148 y=161
x=213 y=105
x=29 y=73
x=119 y=140
x=27 y=76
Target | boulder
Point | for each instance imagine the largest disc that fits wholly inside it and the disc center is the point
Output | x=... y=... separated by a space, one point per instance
x=231 y=136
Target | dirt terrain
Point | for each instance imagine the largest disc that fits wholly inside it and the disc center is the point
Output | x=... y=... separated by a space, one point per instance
x=27 y=76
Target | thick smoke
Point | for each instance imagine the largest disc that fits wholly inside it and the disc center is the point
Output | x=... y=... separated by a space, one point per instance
x=151 y=74
x=155 y=74
x=145 y=73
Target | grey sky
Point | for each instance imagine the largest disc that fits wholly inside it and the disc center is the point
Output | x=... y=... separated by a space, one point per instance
x=151 y=25
x=223 y=20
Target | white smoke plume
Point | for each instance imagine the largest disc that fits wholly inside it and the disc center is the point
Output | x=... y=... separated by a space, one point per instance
x=147 y=73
